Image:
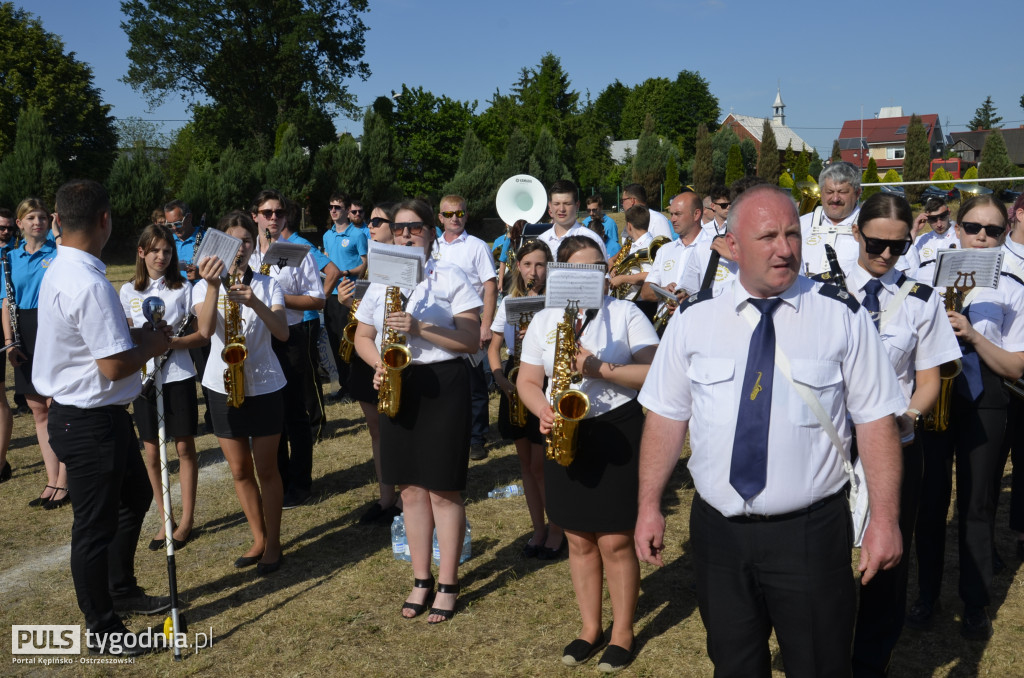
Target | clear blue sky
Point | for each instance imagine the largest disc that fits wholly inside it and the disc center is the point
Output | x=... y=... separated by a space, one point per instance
x=832 y=58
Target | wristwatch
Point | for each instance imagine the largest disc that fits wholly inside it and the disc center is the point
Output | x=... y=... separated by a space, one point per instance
x=918 y=417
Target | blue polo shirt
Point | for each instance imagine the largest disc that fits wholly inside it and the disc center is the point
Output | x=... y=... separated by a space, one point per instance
x=321 y=263
x=611 y=234
x=346 y=249
x=185 y=247
x=27 y=273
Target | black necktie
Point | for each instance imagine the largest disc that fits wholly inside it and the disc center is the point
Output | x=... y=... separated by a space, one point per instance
x=749 y=470
x=870 y=303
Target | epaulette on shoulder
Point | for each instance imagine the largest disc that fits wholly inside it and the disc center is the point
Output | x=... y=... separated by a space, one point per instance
x=919 y=290
x=926 y=262
x=822 y=277
x=839 y=294
x=703 y=295
x=1011 y=276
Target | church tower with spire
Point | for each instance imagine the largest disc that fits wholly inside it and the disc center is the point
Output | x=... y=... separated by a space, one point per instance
x=779 y=109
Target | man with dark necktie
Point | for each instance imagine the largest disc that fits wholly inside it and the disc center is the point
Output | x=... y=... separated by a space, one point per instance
x=765 y=377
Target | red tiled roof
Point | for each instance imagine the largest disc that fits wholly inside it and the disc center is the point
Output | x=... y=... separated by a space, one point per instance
x=883 y=130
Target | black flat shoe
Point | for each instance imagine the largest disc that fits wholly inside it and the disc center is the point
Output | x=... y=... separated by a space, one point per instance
x=58 y=503
x=264 y=569
x=5 y=472
x=616 y=658
x=532 y=550
x=921 y=615
x=546 y=553
x=975 y=624
x=39 y=501
x=579 y=651
x=156 y=544
x=445 y=615
x=247 y=561
x=420 y=608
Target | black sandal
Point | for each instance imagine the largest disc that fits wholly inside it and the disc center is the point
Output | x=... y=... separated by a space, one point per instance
x=39 y=501
x=420 y=608
x=445 y=615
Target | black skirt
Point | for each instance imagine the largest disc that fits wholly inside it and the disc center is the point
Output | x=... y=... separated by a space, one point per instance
x=181 y=411
x=27 y=326
x=360 y=381
x=427 y=444
x=597 y=492
x=261 y=415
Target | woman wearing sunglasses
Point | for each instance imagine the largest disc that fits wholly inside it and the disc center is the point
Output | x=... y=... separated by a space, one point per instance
x=912 y=323
x=991 y=334
x=425 y=447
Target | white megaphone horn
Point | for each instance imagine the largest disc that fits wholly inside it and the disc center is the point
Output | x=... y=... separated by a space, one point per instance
x=521 y=197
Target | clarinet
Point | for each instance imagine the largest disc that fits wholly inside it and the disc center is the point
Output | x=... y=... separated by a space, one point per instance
x=12 y=303
x=147 y=383
x=200 y=232
x=838 y=277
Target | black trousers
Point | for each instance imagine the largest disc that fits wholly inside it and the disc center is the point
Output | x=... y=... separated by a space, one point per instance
x=297 y=468
x=792 y=574
x=975 y=439
x=313 y=394
x=111 y=494
x=1013 y=444
x=478 y=404
x=335 y=319
x=883 y=601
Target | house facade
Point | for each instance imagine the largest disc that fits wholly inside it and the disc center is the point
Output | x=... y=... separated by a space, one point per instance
x=884 y=138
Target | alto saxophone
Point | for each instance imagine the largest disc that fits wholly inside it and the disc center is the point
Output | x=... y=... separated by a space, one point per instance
x=516 y=408
x=348 y=333
x=234 y=352
x=938 y=418
x=569 y=405
x=394 y=355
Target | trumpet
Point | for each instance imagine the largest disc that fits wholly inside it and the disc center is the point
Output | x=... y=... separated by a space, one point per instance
x=570 y=405
x=394 y=355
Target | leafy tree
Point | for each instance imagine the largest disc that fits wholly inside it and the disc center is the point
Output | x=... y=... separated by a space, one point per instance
x=995 y=162
x=288 y=170
x=239 y=177
x=609 y=106
x=258 y=65
x=646 y=99
x=427 y=129
x=917 y=159
x=545 y=161
x=971 y=173
x=135 y=133
x=496 y=124
x=30 y=168
x=199 y=188
x=721 y=142
x=672 y=184
x=1022 y=101
x=734 y=167
x=35 y=72
x=476 y=178
x=941 y=175
x=379 y=158
x=985 y=116
x=517 y=155
x=870 y=177
x=837 y=154
x=136 y=187
x=649 y=164
x=768 y=167
x=749 y=151
x=678 y=107
x=703 y=167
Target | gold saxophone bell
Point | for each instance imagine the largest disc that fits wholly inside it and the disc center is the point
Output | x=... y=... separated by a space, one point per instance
x=570 y=408
x=234 y=352
x=395 y=356
x=516 y=408
x=569 y=405
x=348 y=334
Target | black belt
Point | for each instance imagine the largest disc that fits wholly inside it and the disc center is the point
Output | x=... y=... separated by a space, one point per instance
x=820 y=504
x=99 y=408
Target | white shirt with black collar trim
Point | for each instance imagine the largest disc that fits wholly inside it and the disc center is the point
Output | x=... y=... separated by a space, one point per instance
x=697 y=376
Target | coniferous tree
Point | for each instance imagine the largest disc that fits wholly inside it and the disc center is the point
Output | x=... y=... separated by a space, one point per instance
x=30 y=169
x=517 y=155
x=985 y=116
x=721 y=142
x=649 y=164
x=476 y=178
x=837 y=154
x=749 y=151
x=995 y=162
x=815 y=166
x=288 y=170
x=917 y=158
x=734 y=167
x=939 y=176
x=971 y=173
x=789 y=161
x=379 y=157
x=870 y=177
x=136 y=187
x=238 y=180
x=803 y=164
x=768 y=157
x=198 y=188
x=350 y=178
x=672 y=184
x=546 y=161
x=703 y=168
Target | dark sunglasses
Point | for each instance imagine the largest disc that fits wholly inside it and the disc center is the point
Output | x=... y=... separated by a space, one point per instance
x=7 y=228
x=722 y=205
x=415 y=227
x=377 y=221
x=272 y=213
x=932 y=218
x=337 y=208
x=878 y=246
x=456 y=213
x=972 y=228
x=355 y=211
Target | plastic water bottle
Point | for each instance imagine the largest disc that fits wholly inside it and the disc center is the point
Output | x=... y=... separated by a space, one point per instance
x=467 y=547
x=399 y=545
x=504 y=491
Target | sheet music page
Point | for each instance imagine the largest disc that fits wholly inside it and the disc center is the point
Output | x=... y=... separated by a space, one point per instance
x=971 y=267
x=220 y=245
x=395 y=265
x=516 y=307
x=283 y=254
x=583 y=283
x=361 y=287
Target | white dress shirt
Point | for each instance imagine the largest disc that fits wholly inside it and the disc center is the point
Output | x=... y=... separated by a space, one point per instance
x=697 y=264
x=698 y=372
x=818 y=230
x=670 y=262
x=80 y=322
x=262 y=370
x=178 y=304
x=303 y=280
x=619 y=329
x=929 y=244
x=444 y=292
x=550 y=239
x=469 y=253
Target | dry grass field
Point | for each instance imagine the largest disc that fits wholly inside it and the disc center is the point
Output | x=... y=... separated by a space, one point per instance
x=333 y=607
